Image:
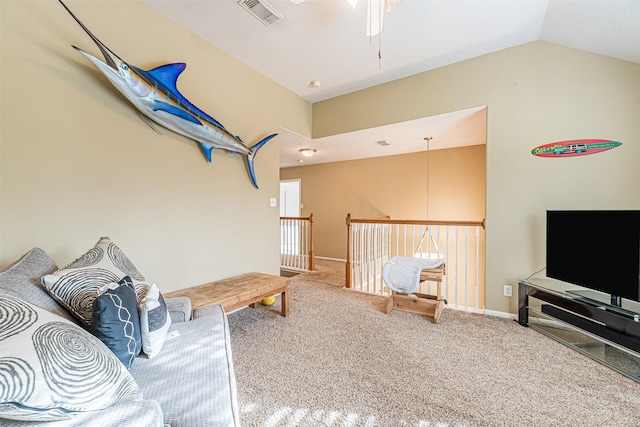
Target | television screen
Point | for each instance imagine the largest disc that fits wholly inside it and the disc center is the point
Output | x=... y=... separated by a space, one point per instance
x=596 y=249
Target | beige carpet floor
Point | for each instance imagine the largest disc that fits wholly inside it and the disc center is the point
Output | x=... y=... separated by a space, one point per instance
x=338 y=360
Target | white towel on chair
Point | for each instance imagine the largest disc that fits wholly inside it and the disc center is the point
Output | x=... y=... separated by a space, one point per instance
x=402 y=274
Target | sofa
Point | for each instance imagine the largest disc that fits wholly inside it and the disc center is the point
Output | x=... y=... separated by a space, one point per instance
x=189 y=382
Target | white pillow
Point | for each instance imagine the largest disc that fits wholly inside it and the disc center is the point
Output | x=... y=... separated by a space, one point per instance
x=77 y=285
x=51 y=368
x=154 y=321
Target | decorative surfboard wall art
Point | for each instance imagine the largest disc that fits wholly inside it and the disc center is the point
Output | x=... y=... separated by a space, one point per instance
x=155 y=94
x=574 y=147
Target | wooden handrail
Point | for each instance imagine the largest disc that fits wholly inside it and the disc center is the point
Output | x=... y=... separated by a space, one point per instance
x=312 y=256
x=301 y=218
x=387 y=220
x=311 y=220
x=347 y=274
x=348 y=282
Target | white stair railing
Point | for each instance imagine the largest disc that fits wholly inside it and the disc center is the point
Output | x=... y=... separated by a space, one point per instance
x=372 y=242
x=296 y=243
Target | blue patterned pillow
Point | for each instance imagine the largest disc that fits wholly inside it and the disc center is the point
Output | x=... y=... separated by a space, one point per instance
x=78 y=284
x=51 y=368
x=116 y=322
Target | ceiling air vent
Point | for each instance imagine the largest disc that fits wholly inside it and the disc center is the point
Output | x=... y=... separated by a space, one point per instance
x=262 y=10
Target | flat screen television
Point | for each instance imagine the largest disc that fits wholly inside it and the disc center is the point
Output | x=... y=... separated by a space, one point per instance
x=596 y=249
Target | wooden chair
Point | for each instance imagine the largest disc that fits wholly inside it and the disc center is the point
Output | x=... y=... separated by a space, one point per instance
x=427 y=305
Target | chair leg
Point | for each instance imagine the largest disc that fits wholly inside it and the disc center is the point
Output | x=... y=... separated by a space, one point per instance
x=426 y=305
x=388 y=304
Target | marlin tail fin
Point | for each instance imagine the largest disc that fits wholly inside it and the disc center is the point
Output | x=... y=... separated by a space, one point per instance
x=250 y=157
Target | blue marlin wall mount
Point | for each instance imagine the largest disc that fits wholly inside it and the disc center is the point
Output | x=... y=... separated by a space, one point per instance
x=155 y=94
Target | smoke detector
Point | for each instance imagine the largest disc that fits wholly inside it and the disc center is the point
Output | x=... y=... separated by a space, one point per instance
x=262 y=11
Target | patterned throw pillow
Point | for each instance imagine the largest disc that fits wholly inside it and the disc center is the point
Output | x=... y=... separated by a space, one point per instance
x=51 y=368
x=77 y=285
x=154 y=321
x=115 y=321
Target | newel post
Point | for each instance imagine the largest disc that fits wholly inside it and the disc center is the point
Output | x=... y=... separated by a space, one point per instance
x=312 y=260
x=347 y=279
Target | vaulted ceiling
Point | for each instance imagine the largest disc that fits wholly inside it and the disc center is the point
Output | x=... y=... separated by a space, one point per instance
x=325 y=41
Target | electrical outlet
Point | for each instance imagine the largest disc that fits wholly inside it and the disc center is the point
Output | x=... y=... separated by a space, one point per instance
x=508 y=291
x=273 y=202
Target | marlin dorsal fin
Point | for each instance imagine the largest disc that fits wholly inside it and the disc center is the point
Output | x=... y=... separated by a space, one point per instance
x=168 y=74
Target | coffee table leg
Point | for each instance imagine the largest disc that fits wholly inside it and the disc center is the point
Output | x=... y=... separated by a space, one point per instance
x=285 y=302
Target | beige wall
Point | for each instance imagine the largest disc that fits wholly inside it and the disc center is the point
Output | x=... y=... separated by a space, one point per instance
x=392 y=185
x=536 y=93
x=77 y=161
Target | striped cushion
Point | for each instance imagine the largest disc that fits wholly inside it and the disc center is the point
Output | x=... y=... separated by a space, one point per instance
x=193 y=378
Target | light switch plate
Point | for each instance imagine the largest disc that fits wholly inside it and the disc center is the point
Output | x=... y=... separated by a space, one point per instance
x=273 y=202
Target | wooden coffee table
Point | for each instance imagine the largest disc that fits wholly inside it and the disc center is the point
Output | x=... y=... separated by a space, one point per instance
x=238 y=291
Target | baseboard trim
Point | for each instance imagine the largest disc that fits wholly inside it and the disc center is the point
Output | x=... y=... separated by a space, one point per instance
x=484 y=312
x=503 y=314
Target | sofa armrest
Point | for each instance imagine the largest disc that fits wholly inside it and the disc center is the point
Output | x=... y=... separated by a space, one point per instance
x=179 y=309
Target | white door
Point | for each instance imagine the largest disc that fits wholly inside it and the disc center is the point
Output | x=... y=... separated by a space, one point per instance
x=289 y=206
x=290 y=197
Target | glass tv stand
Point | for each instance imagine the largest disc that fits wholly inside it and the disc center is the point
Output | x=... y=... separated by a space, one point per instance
x=584 y=320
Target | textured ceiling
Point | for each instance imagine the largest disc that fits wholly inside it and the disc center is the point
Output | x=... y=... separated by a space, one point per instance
x=325 y=40
x=450 y=130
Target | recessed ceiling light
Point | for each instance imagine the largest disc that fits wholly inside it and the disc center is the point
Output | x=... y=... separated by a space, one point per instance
x=314 y=83
x=300 y=161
